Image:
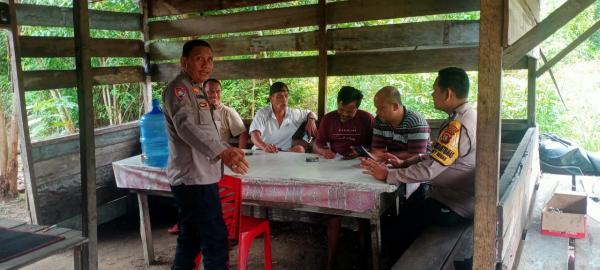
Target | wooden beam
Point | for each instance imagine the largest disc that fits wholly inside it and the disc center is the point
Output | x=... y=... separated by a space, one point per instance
x=235 y=22
x=365 y=10
x=487 y=170
x=14 y=45
x=147 y=85
x=543 y=30
x=434 y=33
x=175 y=7
x=53 y=16
x=56 y=79
x=519 y=17
x=65 y=47
x=531 y=80
x=559 y=56
x=323 y=63
x=89 y=222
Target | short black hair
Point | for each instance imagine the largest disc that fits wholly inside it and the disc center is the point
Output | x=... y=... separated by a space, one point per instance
x=349 y=94
x=190 y=45
x=455 y=79
x=213 y=80
x=278 y=87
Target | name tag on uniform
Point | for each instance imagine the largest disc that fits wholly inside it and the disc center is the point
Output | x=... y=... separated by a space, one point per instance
x=203 y=104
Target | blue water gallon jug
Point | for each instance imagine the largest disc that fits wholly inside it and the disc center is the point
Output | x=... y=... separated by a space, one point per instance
x=153 y=137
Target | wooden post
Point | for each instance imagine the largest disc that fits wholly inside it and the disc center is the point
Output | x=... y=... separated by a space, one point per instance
x=147 y=86
x=19 y=90
x=488 y=133
x=81 y=23
x=531 y=79
x=322 y=69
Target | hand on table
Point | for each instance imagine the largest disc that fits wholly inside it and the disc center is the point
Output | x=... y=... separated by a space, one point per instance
x=378 y=170
x=328 y=154
x=270 y=148
x=389 y=158
x=235 y=160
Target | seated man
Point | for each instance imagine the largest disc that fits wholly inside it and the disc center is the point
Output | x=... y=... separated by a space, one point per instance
x=228 y=121
x=341 y=130
x=273 y=126
x=398 y=132
x=450 y=168
x=346 y=127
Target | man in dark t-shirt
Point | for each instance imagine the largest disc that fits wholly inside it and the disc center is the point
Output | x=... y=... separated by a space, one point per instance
x=345 y=127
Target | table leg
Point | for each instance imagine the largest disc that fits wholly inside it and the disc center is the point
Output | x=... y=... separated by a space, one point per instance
x=145 y=229
x=375 y=243
x=78 y=257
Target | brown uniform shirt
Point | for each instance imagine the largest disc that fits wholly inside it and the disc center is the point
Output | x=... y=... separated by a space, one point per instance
x=452 y=185
x=228 y=122
x=194 y=143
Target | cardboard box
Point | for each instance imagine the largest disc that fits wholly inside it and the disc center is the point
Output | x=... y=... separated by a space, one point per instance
x=565 y=215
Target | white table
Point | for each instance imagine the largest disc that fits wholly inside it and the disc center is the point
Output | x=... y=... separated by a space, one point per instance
x=283 y=180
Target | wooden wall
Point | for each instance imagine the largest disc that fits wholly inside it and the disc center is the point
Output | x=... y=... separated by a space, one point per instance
x=54 y=173
x=520 y=16
x=57 y=170
x=385 y=49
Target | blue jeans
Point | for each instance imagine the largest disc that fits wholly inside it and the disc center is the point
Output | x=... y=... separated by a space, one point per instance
x=201 y=227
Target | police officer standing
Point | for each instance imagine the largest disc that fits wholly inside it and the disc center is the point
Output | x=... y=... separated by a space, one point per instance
x=196 y=155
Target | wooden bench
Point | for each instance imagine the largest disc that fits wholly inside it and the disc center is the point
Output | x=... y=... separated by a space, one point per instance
x=72 y=240
x=435 y=248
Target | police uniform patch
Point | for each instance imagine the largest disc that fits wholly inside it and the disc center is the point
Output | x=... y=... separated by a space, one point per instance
x=203 y=104
x=179 y=93
x=445 y=149
x=196 y=90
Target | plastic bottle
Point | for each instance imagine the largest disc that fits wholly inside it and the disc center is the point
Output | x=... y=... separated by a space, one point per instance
x=153 y=137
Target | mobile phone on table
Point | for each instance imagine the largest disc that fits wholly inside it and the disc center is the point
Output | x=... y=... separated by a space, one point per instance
x=363 y=152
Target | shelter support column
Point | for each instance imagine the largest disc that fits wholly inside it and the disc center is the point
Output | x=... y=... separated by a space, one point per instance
x=147 y=85
x=323 y=66
x=89 y=222
x=488 y=133
x=531 y=80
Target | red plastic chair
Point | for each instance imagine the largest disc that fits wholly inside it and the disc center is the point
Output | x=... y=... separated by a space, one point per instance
x=240 y=228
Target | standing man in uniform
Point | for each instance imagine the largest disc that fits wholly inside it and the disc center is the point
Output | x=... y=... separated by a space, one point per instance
x=196 y=158
x=450 y=168
x=228 y=120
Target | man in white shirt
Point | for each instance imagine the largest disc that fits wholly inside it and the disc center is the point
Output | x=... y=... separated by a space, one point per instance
x=273 y=126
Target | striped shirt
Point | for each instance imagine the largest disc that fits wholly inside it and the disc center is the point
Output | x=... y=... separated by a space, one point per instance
x=412 y=135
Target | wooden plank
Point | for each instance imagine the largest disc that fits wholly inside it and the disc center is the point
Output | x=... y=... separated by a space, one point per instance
x=435 y=33
x=72 y=239
x=81 y=26
x=431 y=249
x=236 y=22
x=55 y=79
x=53 y=16
x=65 y=165
x=18 y=85
x=560 y=55
x=9 y=223
x=248 y=69
x=65 y=47
x=107 y=136
x=519 y=17
x=175 y=7
x=488 y=134
x=242 y=45
x=323 y=61
x=531 y=85
x=402 y=61
x=514 y=205
x=106 y=212
x=365 y=10
x=543 y=30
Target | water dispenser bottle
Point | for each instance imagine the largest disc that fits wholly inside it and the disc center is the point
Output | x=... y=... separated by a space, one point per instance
x=153 y=137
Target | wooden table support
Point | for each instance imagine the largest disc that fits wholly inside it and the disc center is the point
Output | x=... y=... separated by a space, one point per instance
x=145 y=228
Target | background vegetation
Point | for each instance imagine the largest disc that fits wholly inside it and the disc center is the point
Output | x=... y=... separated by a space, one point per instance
x=54 y=113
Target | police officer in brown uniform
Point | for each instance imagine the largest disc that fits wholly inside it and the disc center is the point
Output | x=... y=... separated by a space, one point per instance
x=196 y=158
x=450 y=168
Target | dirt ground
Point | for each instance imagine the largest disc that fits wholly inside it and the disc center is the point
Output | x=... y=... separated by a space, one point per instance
x=295 y=245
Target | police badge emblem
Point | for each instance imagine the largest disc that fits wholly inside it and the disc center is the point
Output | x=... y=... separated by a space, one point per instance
x=179 y=93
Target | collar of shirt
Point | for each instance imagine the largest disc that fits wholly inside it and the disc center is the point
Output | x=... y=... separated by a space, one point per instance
x=285 y=117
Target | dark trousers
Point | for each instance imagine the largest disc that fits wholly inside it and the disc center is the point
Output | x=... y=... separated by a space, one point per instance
x=201 y=227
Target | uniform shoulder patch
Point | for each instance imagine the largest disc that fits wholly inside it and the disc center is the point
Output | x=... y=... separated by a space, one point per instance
x=446 y=148
x=179 y=92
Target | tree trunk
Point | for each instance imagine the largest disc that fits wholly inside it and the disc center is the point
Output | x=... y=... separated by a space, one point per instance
x=8 y=156
x=65 y=117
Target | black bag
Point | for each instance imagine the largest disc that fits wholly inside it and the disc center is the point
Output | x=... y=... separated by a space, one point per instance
x=561 y=156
